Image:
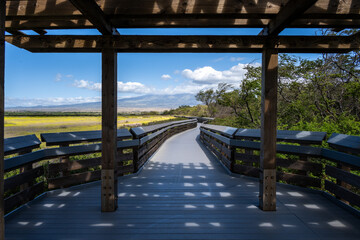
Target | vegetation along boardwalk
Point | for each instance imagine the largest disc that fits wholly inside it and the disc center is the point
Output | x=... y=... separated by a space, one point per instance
x=182 y=193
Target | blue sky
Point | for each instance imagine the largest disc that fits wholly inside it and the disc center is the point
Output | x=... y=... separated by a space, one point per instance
x=33 y=79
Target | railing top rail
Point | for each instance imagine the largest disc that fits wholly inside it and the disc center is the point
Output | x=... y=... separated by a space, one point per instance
x=291 y=149
x=223 y=130
x=139 y=132
x=154 y=134
x=304 y=137
x=20 y=144
x=63 y=138
x=345 y=143
x=49 y=153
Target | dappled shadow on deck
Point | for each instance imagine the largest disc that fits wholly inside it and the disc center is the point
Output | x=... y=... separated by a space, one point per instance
x=182 y=193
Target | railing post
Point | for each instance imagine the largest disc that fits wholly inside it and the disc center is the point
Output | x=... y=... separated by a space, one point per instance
x=342 y=183
x=267 y=186
x=65 y=160
x=109 y=131
x=24 y=169
x=2 y=80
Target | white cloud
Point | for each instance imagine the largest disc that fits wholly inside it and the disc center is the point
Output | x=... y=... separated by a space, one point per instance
x=208 y=75
x=32 y=102
x=87 y=85
x=166 y=77
x=123 y=87
x=133 y=87
x=58 y=77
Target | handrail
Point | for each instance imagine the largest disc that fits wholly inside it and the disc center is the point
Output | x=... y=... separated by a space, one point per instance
x=132 y=155
x=139 y=132
x=44 y=154
x=306 y=166
x=61 y=138
x=20 y=144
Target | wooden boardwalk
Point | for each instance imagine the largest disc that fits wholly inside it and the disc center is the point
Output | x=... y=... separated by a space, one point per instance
x=182 y=193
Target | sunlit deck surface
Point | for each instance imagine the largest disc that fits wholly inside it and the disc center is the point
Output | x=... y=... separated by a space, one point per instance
x=182 y=193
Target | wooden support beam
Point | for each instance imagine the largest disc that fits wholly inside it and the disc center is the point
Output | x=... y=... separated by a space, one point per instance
x=267 y=186
x=109 y=131
x=16 y=32
x=198 y=44
x=95 y=15
x=2 y=80
x=291 y=11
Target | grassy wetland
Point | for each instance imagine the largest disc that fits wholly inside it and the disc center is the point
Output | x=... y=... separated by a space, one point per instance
x=24 y=125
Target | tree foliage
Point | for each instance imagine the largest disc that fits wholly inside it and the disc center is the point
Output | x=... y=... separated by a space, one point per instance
x=313 y=94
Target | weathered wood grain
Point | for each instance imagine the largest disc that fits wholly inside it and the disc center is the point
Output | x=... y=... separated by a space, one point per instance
x=342 y=175
x=53 y=139
x=342 y=193
x=300 y=180
x=21 y=178
x=200 y=43
x=23 y=196
x=346 y=143
x=55 y=168
x=268 y=128
x=109 y=131
x=20 y=144
x=2 y=107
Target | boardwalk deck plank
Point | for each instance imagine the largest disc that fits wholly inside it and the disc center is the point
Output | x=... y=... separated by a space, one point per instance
x=182 y=195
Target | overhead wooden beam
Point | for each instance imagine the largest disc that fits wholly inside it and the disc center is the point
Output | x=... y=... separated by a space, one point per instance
x=95 y=15
x=15 y=32
x=129 y=43
x=76 y=22
x=40 y=31
x=291 y=11
x=109 y=189
x=2 y=80
x=267 y=186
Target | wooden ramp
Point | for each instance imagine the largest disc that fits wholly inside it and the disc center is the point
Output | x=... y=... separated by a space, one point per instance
x=182 y=193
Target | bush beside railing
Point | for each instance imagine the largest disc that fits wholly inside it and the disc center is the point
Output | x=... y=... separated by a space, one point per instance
x=307 y=166
x=32 y=173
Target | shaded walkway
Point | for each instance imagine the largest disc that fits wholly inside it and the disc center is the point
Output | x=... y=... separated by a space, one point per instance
x=182 y=193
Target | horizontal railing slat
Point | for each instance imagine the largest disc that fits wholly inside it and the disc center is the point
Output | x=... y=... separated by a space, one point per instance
x=18 y=161
x=52 y=139
x=346 y=143
x=341 y=157
x=140 y=132
x=222 y=130
x=73 y=179
x=342 y=175
x=21 y=178
x=24 y=196
x=20 y=144
x=343 y=193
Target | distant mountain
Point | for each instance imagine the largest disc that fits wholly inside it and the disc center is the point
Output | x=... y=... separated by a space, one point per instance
x=149 y=102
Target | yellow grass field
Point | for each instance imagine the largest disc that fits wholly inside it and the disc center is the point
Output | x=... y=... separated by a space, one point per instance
x=19 y=126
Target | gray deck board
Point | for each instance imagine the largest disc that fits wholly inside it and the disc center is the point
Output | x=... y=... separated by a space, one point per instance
x=182 y=193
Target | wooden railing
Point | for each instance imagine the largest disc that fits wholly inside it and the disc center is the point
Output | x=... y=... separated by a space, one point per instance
x=300 y=160
x=76 y=158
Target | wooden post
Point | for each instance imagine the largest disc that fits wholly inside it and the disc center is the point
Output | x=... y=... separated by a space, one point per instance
x=23 y=169
x=267 y=186
x=66 y=160
x=342 y=183
x=2 y=80
x=109 y=131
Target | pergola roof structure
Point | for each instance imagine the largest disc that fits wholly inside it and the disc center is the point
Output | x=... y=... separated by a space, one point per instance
x=273 y=16
x=108 y=15
x=78 y=14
